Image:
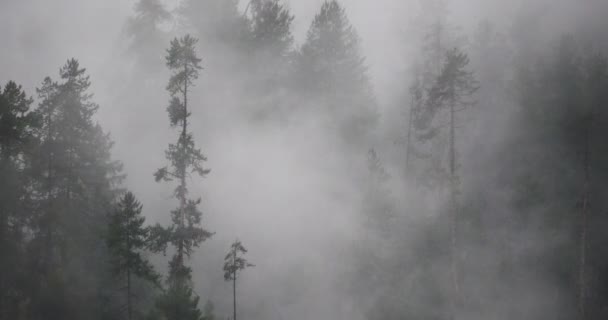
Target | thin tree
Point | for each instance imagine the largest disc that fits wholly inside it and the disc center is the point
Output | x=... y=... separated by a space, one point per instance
x=234 y=262
x=185 y=158
x=126 y=239
x=452 y=92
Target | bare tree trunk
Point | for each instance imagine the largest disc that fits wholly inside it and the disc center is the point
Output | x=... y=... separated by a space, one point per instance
x=453 y=208
x=129 y=307
x=234 y=286
x=3 y=261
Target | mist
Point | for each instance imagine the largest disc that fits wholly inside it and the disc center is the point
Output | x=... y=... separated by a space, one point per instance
x=348 y=191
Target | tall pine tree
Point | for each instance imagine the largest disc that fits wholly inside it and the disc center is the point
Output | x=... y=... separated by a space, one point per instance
x=234 y=263
x=451 y=93
x=185 y=233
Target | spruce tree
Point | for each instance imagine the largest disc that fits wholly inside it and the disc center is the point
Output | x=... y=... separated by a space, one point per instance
x=331 y=72
x=185 y=232
x=126 y=239
x=234 y=263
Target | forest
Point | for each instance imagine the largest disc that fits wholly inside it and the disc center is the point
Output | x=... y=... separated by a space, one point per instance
x=299 y=160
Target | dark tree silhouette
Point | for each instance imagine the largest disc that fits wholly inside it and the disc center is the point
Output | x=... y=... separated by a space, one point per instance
x=185 y=158
x=126 y=239
x=234 y=263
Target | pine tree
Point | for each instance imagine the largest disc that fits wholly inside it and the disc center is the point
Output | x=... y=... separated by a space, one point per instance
x=234 y=263
x=331 y=71
x=126 y=239
x=268 y=65
x=17 y=124
x=452 y=92
x=271 y=27
x=185 y=158
x=435 y=36
x=76 y=183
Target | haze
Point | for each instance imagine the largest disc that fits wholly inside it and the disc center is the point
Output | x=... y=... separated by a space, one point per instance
x=337 y=225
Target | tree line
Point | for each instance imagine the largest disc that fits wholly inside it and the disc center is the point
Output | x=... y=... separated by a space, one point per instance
x=74 y=244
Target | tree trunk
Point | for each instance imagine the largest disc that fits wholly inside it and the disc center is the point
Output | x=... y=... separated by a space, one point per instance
x=453 y=208
x=129 y=307
x=182 y=169
x=234 y=287
x=3 y=261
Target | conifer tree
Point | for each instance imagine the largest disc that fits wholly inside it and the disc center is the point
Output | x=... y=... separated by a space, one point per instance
x=17 y=124
x=423 y=143
x=185 y=232
x=331 y=71
x=234 y=263
x=126 y=239
x=268 y=66
x=76 y=182
x=452 y=92
x=271 y=27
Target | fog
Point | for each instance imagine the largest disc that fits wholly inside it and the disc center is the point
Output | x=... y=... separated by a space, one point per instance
x=290 y=188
